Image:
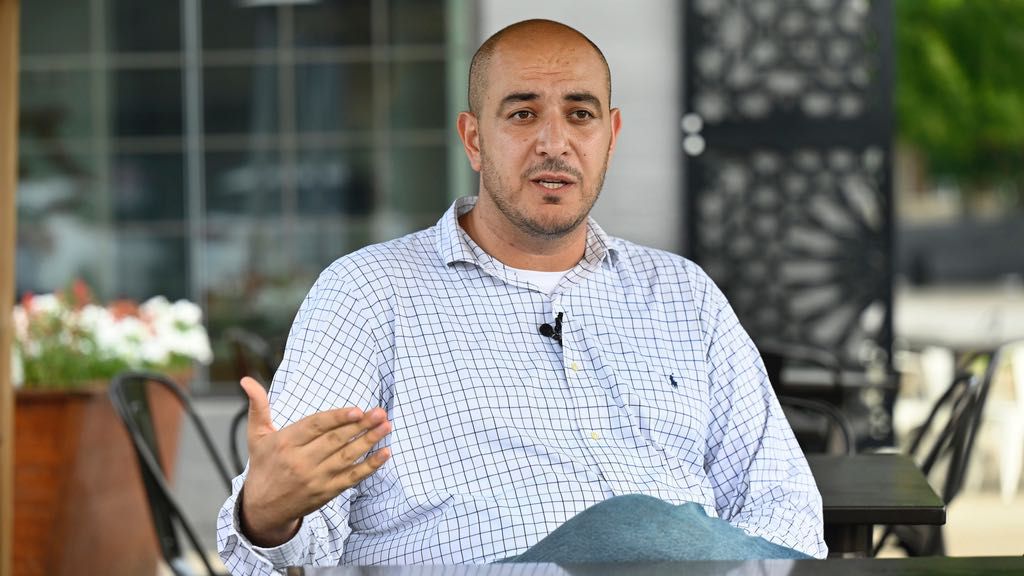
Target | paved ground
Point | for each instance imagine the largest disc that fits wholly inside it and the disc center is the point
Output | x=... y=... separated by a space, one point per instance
x=980 y=524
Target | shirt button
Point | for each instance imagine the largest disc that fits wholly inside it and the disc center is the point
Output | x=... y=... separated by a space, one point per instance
x=575 y=367
x=594 y=435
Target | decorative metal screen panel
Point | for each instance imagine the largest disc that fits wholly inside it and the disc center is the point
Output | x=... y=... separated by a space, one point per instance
x=797 y=241
x=787 y=139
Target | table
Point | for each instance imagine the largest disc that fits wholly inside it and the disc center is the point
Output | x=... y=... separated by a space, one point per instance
x=860 y=491
x=990 y=566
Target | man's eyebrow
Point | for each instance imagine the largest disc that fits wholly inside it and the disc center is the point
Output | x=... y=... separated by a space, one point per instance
x=586 y=97
x=519 y=97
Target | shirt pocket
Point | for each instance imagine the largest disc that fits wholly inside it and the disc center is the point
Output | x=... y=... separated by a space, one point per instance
x=669 y=406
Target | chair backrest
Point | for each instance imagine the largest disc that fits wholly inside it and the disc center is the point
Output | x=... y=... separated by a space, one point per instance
x=951 y=440
x=838 y=434
x=130 y=394
x=253 y=355
x=823 y=405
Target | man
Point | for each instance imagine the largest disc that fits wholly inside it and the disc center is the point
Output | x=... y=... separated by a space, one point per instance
x=514 y=366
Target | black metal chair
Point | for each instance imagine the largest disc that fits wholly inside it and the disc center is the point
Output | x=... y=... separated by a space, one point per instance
x=780 y=359
x=835 y=433
x=949 y=441
x=130 y=394
x=818 y=424
x=254 y=357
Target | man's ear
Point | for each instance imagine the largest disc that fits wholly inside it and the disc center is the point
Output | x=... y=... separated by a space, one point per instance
x=616 y=117
x=469 y=133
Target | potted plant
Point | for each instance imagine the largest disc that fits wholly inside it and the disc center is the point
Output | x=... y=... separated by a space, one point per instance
x=79 y=502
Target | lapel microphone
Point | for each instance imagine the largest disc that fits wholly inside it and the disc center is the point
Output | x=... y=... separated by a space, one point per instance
x=553 y=332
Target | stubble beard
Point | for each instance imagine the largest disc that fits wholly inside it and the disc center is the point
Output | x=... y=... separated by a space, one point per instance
x=500 y=192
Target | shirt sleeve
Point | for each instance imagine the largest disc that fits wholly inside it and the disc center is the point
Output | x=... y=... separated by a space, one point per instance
x=760 y=476
x=331 y=360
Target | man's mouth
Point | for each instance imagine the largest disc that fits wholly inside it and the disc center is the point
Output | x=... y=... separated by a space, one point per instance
x=552 y=184
x=553 y=181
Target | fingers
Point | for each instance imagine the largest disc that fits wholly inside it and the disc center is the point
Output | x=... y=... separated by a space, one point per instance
x=356 y=473
x=360 y=436
x=347 y=455
x=326 y=423
x=260 y=423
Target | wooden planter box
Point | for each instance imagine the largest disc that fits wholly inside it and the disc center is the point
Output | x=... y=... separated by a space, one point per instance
x=79 y=503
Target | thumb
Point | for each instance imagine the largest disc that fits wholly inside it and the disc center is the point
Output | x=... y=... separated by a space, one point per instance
x=260 y=423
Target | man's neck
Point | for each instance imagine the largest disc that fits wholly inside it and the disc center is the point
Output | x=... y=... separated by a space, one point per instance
x=512 y=247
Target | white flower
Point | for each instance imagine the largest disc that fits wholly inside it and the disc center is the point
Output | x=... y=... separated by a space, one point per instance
x=20 y=323
x=99 y=323
x=155 y=350
x=156 y=309
x=179 y=327
x=129 y=336
x=186 y=313
x=151 y=336
x=48 y=304
x=195 y=344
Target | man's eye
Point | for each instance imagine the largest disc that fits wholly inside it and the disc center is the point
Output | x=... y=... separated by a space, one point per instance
x=522 y=115
x=581 y=115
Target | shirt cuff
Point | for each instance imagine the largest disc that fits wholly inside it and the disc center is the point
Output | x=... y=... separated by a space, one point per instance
x=290 y=553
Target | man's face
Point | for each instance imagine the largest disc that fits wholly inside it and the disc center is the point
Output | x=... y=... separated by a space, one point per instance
x=544 y=134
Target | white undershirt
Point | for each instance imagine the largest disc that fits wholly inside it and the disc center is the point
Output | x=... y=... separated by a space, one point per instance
x=545 y=281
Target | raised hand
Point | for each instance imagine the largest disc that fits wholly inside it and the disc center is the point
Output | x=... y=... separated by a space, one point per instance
x=299 y=468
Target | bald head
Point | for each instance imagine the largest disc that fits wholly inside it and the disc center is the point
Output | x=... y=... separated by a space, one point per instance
x=530 y=31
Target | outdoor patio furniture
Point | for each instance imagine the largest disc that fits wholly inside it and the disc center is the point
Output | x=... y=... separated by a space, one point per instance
x=129 y=393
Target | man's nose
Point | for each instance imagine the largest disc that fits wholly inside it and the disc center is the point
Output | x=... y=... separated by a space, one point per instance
x=553 y=139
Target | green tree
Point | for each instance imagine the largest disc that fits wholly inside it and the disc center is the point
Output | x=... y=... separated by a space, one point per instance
x=960 y=88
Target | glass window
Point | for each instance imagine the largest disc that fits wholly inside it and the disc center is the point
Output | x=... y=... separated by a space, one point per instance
x=146 y=102
x=420 y=181
x=416 y=22
x=231 y=25
x=335 y=182
x=331 y=23
x=148 y=187
x=56 y=105
x=57 y=180
x=418 y=99
x=333 y=97
x=320 y=241
x=54 y=27
x=149 y=26
x=150 y=263
x=323 y=129
x=240 y=100
x=243 y=184
x=60 y=232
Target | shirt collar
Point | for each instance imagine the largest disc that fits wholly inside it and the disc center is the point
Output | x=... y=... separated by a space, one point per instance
x=455 y=245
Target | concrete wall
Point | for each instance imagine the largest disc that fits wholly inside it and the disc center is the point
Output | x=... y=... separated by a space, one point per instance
x=642 y=198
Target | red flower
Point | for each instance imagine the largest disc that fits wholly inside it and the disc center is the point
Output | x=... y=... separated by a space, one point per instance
x=123 y=309
x=26 y=302
x=81 y=293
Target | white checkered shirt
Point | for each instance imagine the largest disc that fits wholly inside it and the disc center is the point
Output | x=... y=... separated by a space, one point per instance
x=500 y=434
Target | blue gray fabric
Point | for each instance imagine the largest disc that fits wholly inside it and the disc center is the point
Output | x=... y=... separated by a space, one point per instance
x=638 y=528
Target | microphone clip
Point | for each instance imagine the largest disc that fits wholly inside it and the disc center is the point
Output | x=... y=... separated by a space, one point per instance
x=553 y=332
